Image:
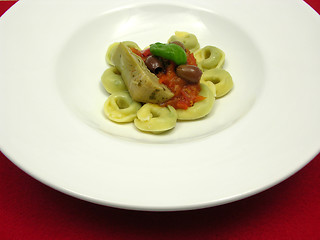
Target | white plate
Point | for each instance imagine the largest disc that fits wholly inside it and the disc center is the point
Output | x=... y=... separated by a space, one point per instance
x=52 y=125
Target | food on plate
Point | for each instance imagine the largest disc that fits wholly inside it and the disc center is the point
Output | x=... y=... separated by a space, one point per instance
x=163 y=83
x=201 y=108
x=220 y=79
x=113 y=47
x=190 y=73
x=189 y=40
x=171 y=51
x=142 y=85
x=155 y=119
x=209 y=57
x=119 y=107
x=112 y=81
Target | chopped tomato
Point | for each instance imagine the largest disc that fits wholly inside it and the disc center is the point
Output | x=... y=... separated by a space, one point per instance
x=139 y=53
x=185 y=94
x=191 y=60
x=146 y=52
x=143 y=54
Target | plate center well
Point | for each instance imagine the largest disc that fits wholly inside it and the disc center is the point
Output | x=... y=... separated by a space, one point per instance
x=82 y=62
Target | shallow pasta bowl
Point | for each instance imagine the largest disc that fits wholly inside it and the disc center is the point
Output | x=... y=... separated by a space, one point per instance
x=263 y=131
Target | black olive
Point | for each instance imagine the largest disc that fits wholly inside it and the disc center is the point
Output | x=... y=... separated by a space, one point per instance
x=190 y=73
x=154 y=64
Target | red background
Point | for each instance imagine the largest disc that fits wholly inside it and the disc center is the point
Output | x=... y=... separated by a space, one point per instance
x=31 y=210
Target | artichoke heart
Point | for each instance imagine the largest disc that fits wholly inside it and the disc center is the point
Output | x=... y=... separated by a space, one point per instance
x=142 y=85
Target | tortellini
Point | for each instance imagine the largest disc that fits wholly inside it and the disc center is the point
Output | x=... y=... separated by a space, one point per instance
x=189 y=40
x=119 y=107
x=209 y=57
x=114 y=46
x=220 y=78
x=112 y=81
x=199 y=109
x=159 y=117
x=155 y=119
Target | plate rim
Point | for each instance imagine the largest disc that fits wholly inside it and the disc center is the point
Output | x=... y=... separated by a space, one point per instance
x=12 y=158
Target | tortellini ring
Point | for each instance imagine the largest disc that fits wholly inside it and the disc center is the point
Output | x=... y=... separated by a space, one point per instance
x=211 y=86
x=189 y=40
x=209 y=57
x=199 y=109
x=119 y=107
x=112 y=81
x=220 y=78
x=112 y=48
x=155 y=119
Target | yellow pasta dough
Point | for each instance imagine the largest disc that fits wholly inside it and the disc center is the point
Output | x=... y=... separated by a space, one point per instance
x=209 y=57
x=211 y=86
x=189 y=40
x=119 y=107
x=220 y=78
x=155 y=119
x=112 y=81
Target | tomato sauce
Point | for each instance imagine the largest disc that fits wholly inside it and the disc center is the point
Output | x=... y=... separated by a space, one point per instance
x=143 y=54
x=185 y=94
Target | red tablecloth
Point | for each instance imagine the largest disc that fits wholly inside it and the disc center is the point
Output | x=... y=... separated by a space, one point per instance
x=31 y=210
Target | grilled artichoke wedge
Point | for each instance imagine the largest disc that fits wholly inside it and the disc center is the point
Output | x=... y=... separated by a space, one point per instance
x=142 y=85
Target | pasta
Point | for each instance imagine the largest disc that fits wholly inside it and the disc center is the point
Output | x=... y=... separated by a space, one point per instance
x=113 y=47
x=209 y=57
x=220 y=78
x=119 y=107
x=162 y=84
x=155 y=119
x=199 y=109
x=189 y=40
x=112 y=81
